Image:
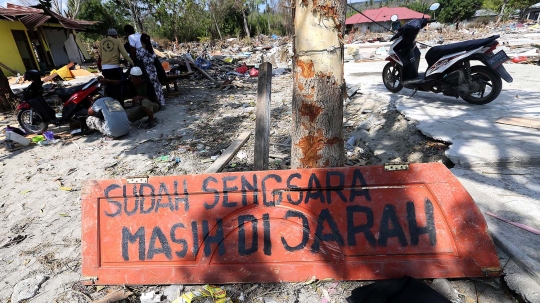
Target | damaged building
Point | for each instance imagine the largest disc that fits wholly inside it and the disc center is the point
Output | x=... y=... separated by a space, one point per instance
x=38 y=38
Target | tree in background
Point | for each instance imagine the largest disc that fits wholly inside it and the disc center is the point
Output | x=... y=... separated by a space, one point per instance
x=421 y=6
x=109 y=15
x=455 y=11
x=184 y=20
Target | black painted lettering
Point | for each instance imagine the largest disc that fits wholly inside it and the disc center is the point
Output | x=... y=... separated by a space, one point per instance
x=165 y=248
x=217 y=238
x=292 y=186
x=389 y=217
x=127 y=238
x=242 y=249
x=163 y=190
x=263 y=188
x=136 y=206
x=338 y=188
x=183 y=242
x=227 y=189
x=305 y=231
x=210 y=190
x=352 y=229
x=267 y=241
x=333 y=236
x=184 y=200
x=414 y=230
x=359 y=181
x=252 y=187
x=152 y=199
x=195 y=233
x=114 y=202
x=318 y=193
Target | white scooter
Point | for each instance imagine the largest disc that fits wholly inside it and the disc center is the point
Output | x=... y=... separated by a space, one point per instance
x=449 y=70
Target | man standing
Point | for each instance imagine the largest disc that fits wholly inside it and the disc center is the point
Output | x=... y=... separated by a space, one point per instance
x=107 y=116
x=134 y=40
x=110 y=49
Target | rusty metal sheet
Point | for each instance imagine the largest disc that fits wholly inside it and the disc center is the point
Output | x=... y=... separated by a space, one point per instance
x=351 y=223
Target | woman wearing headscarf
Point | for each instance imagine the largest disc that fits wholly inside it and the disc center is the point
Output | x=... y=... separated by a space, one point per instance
x=147 y=56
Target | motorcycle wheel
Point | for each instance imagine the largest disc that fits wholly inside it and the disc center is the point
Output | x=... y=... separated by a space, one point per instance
x=37 y=127
x=391 y=76
x=492 y=81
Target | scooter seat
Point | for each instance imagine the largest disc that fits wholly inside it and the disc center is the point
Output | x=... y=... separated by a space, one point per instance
x=437 y=52
x=65 y=93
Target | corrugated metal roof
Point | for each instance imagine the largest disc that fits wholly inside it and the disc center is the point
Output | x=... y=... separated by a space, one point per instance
x=12 y=12
x=34 y=20
x=36 y=16
x=24 y=8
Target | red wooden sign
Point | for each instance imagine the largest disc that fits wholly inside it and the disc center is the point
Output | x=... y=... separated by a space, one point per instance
x=351 y=223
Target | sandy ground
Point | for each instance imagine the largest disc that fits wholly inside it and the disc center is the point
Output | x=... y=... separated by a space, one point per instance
x=198 y=123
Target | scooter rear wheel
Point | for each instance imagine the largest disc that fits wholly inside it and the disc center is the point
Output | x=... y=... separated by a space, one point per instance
x=491 y=81
x=38 y=126
x=392 y=77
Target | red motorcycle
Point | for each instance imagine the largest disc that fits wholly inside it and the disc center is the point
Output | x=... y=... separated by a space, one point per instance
x=39 y=108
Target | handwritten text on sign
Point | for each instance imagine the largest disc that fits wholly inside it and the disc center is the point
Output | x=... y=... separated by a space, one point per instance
x=270 y=226
x=283 y=212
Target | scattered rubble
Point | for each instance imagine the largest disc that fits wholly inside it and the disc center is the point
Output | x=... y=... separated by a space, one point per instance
x=27 y=289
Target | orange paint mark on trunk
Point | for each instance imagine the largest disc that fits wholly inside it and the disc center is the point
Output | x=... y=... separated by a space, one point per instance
x=310 y=110
x=307 y=68
x=300 y=86
x=311 y=145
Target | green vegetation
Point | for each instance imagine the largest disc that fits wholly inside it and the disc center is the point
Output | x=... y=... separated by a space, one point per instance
x=455 y=11
x=188 y=20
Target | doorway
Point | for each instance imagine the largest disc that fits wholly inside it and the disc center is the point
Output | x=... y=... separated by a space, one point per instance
x=24 y=49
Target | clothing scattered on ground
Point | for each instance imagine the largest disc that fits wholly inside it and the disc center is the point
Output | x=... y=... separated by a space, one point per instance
x=115 y=123
x=402 y=290
x=137 y=112
x=147 y=59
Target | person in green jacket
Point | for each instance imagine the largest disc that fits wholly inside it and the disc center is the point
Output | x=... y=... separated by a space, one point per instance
x=110 y=49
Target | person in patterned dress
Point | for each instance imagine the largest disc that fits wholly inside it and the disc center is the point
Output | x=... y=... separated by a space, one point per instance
x=147 y=56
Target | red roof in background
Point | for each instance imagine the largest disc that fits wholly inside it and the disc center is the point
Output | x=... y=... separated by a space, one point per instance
x=383 y=14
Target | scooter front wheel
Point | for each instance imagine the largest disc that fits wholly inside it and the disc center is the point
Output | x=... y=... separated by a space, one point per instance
x=391 y=76
x=31 y=122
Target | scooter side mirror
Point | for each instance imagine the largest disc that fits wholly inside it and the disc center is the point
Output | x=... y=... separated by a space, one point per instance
x=434 y=6
x=394 y=17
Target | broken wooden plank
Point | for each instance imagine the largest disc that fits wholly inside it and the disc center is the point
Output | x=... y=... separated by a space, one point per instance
x=278 y=156
x=50 y=77
x=199 y=69
x=115 y=296
x=353 y=89
x=525 y=122
x=228 y=154
x=187 y=64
